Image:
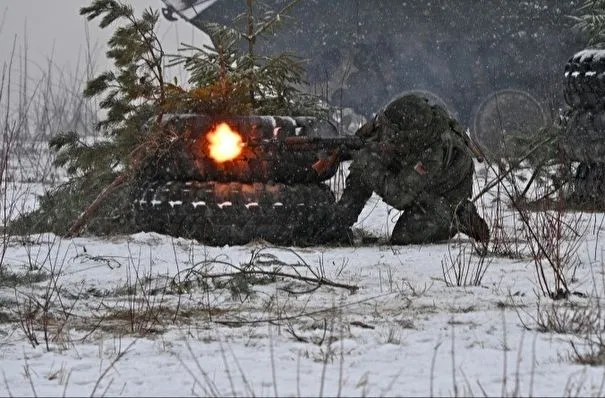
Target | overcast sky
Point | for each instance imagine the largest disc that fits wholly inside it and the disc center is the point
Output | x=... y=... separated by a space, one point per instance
x=54 y=28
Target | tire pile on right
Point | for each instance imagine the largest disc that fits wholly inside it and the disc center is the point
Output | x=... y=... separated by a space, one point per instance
x=583 y=138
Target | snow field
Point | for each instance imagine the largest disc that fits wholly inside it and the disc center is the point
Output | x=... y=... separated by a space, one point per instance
x=115 y=323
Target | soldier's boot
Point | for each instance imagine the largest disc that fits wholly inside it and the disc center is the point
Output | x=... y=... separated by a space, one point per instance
x=421 y=224
x=470 y=223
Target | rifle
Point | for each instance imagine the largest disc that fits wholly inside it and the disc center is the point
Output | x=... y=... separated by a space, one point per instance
x=306 y=143
x=339 y=148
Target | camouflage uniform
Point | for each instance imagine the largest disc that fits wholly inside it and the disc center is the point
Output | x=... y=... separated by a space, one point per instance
x=417 y=160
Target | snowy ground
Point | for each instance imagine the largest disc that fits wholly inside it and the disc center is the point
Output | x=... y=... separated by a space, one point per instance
x=91 y=316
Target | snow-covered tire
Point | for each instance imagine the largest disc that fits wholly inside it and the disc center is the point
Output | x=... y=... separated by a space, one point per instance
x=234 y=213
x=585 y=79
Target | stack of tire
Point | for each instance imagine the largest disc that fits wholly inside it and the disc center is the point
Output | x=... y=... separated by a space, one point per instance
x=268 y=192
x=583 y=138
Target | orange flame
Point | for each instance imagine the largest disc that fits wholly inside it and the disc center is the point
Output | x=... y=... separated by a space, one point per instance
x=225 y=144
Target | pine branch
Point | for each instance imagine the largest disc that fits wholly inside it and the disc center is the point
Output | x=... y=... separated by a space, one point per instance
x=137 y=54
x=277 y=18
x=591 y=20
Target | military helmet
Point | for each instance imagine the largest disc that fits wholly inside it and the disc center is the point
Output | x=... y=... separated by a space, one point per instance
x=412 y=119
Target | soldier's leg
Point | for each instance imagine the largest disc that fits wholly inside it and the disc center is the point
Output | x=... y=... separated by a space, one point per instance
x=433 y=221
x=427 y=222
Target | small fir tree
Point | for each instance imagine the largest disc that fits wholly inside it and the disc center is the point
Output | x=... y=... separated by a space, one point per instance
x=591 y=21
x=224 y=81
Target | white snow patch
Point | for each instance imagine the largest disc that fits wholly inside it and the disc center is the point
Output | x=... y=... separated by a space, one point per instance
x=403 y=332
x=595 y=54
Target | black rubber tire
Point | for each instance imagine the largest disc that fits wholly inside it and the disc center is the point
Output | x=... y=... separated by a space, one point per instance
x=585 y=80
x=583 y=137
x=588 y=184
x=234 y=213
x=287 y=167
x=188 y=158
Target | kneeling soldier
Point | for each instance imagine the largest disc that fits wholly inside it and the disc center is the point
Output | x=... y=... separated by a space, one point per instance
x=419 y=160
